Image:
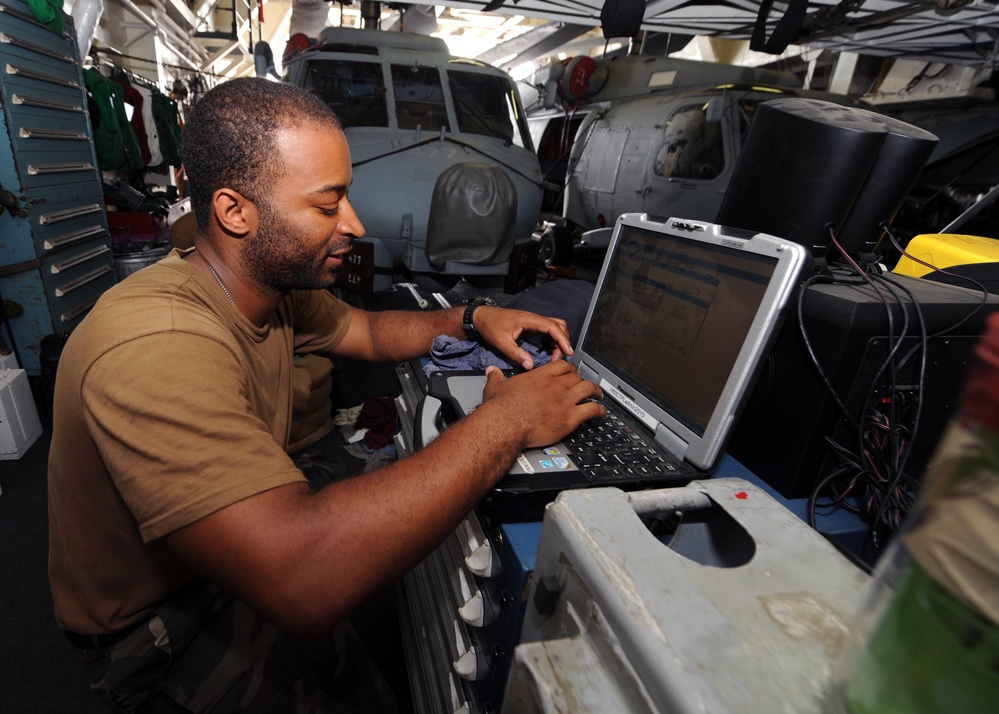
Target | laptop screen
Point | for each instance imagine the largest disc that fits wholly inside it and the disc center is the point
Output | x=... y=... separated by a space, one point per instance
x=679 y=320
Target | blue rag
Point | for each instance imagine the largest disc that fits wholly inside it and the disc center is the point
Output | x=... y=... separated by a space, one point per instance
x=449 y=354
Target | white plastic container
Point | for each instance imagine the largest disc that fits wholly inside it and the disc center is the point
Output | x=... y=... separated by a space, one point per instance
x=19 y=423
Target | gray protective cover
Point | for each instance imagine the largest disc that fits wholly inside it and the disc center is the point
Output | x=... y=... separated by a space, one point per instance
x=473 y=215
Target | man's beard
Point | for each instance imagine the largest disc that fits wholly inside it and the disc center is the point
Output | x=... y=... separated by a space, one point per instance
x=278 y=259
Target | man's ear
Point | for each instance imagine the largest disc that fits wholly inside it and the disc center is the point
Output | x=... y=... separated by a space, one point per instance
x=235 y=213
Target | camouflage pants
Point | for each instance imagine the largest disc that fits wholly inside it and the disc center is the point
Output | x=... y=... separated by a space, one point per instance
x=204 y=651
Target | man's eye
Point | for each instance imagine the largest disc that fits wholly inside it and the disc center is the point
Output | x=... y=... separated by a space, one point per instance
x=330 y=211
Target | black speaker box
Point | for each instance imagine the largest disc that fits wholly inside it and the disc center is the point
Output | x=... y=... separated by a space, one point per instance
x=905 y=151
x=781 y=434
x=802 y=167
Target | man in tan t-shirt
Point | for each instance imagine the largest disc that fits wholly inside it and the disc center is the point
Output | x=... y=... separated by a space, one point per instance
x=191 y=564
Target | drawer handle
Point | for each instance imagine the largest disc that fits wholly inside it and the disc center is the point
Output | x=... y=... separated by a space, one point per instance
x=470 y=665
x=25 y=45
x=42 y=169
x=477 y=549
x=79 y=258
x=73 y=314
x=73 y=237
x=41 y=76
x=46 y=103
x=90 y=277
x=476 y=610
x=29 y=133
x=69 y=213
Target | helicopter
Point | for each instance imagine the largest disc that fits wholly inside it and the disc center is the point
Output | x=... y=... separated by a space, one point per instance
x=653 y=134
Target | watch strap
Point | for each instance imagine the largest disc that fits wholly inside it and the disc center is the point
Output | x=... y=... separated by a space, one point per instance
x=466 y=323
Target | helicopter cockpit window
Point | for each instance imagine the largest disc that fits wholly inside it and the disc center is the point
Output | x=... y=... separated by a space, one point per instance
x=354 y=90
x=419 y=97
x=484 y=104
x=691 y=146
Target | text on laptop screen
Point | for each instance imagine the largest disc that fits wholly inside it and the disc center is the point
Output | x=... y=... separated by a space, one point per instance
x=672 y=317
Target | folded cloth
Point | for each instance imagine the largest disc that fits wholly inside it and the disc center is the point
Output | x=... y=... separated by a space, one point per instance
x=449 y=354
x=378 y=420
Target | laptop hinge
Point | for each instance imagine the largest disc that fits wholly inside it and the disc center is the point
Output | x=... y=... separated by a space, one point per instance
x=671 y=442
x=587 y=372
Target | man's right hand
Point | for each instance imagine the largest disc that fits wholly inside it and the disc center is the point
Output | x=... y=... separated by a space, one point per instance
x=545 y=403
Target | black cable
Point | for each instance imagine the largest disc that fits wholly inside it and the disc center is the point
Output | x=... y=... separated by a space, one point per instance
x=984 y=290
x=924 y=344
x=838 y=501
x=876 y=471
x=811 y=351
x=888 y=365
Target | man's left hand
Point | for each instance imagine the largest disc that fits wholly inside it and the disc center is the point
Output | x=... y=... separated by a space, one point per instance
x=502 y=328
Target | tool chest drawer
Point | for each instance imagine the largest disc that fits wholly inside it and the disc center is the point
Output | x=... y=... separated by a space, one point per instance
x=55 y=249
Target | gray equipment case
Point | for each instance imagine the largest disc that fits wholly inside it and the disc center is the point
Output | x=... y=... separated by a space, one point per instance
x=743 y=608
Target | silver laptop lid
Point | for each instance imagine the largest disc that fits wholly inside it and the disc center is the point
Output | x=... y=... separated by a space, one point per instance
x=682 y=314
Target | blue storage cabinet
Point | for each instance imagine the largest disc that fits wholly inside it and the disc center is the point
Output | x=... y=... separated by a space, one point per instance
x=55 y=248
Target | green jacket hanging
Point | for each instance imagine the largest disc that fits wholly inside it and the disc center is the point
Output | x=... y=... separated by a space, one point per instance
x=114 y=139
x=167 y=119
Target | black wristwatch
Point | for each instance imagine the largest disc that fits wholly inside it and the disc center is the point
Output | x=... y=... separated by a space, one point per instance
x=466 y=323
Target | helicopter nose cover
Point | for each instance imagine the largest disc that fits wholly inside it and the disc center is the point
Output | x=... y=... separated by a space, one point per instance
x=473 y=215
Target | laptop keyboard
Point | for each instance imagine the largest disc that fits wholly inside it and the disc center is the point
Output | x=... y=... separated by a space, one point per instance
x=609 y=449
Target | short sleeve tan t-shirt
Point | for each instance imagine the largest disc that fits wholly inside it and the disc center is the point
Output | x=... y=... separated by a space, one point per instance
x=169 y=406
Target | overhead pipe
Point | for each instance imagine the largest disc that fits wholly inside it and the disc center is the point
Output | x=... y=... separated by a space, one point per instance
x=195 y=67
x=240 y=64
x=185 y=35
x=184 y=39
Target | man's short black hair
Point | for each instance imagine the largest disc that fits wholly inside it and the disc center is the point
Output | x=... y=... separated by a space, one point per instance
x=228 y=140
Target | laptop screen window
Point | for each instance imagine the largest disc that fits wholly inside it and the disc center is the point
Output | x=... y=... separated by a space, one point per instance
x=672 y=317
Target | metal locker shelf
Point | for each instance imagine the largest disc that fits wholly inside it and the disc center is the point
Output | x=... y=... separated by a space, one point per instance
x=55 y=248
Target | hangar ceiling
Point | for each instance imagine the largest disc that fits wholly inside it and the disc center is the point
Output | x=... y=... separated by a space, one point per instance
x=218 y=37
x=953 y=31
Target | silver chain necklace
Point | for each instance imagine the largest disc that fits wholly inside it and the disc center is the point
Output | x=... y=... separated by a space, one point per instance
x=217 y=278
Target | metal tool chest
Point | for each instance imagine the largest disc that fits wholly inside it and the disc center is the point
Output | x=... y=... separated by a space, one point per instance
x=461 y=609
x=55 y=249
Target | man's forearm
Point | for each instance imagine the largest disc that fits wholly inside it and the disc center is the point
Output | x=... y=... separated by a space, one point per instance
x=306 y=560
x=399 y=335
x=394 y=336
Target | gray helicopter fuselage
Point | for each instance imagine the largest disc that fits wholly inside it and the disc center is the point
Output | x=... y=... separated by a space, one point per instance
x=657 y=135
